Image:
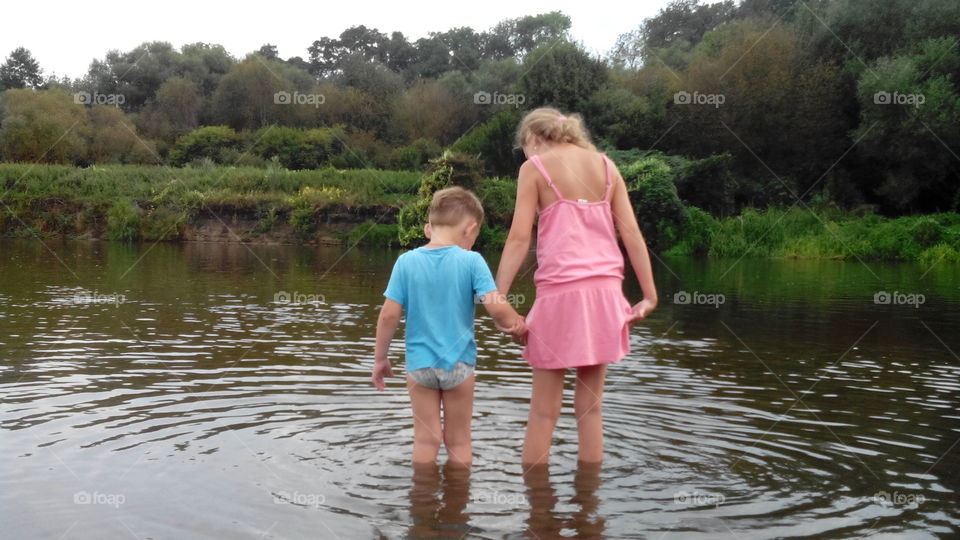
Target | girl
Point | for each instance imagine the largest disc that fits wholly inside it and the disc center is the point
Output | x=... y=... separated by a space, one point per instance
x=580 y=318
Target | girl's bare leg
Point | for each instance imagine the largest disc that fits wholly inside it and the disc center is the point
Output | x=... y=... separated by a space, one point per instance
x=457 y=417
x=545 y=404
x=587 y=403
x=425 y=403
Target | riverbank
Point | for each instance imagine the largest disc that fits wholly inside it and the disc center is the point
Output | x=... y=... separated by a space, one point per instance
x=361 y=206
x=242 y=204
x=826 y=233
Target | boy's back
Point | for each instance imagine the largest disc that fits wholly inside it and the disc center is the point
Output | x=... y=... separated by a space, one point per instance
x=437 y=287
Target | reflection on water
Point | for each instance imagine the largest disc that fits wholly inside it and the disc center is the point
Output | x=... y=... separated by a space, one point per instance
x=546 y=521
x=222 y=391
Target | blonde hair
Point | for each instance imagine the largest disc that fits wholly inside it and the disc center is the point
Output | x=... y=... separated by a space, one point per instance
x=552 y=125
x=450 y=205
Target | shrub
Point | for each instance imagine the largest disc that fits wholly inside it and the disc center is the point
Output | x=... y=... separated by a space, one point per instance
x=695 y=235
x=494 y=141
x=415 y=155
x=654 y=199
x=210 y=142
x=498 y=196
x=123 y=221
x=295 y=149
x=369 y=233
x=450 y=169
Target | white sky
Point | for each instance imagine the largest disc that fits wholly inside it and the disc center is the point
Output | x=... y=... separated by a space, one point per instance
x=65 y=36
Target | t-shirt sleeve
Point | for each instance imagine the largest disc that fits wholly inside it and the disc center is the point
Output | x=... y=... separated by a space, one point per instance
x=397 y=286
x=482 y=278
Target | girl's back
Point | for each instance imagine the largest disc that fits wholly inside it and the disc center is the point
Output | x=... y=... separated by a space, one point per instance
x=576 y=239
x=578 y=173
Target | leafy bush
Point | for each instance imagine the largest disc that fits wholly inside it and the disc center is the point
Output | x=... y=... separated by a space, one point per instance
x=493 y=140
x=369 y=233
x=498 y=196
x=296 y=149
x=450 y=169
x=654 y=199
x=123 y=221
x=415 y=155
x=695 y=235
x=210 y=142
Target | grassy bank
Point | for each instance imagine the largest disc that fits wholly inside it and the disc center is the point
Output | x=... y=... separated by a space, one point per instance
x=130 y=202
x=821 y=233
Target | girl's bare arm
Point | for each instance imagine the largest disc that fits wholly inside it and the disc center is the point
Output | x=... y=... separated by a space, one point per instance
x=626 y=222
x=518 y=240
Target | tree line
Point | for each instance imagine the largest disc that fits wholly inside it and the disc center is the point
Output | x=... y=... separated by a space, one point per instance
x=763 y=102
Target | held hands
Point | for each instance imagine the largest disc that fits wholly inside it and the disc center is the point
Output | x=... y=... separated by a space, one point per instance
x=381 y=369
x=518 y=331
x=641 y=310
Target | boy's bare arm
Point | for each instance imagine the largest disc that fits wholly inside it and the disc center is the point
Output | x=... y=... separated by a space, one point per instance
x=387 y=324
x=505 y=317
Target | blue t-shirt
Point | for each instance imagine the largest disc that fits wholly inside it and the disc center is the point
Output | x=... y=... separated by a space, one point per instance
x=437 y=289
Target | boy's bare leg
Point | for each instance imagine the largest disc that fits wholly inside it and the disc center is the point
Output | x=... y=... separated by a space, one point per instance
x=545 y=401
x=457 y=418
x=587 y=403
x=425 y=403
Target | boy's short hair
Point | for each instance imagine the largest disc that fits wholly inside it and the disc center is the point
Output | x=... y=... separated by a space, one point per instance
x=452 y=204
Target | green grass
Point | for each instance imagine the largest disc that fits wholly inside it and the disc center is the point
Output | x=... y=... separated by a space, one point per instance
x=130 y=202
x=823 y=233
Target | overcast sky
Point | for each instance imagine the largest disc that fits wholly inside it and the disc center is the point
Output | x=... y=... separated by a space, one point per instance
x=65 y=36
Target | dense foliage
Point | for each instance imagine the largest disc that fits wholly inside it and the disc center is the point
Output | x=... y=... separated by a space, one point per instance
x=710 y=110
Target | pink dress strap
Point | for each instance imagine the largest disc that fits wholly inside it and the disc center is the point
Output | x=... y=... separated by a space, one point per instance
x=543 y=171
x=606 y=165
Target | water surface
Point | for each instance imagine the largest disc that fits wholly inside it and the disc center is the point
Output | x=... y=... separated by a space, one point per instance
x=222 y=391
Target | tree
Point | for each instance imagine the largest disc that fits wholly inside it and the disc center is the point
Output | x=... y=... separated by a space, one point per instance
x=44 y=126
x=397 y=53
x=327 y=54
x=681 y=22
x=112 y=139
x=770 y=107
x=427 y=110
x=173 y=111
x=269 y=52
x=136 y=75
x=562 y=75
x=20 y=71
x=517 y=37
x=204 y=65
x=909 y=106
x=259 y=92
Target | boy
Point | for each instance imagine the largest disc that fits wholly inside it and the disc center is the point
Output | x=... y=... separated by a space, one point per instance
x=436 y=285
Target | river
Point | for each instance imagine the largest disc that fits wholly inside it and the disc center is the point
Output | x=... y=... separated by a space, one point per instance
x=222 y=391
